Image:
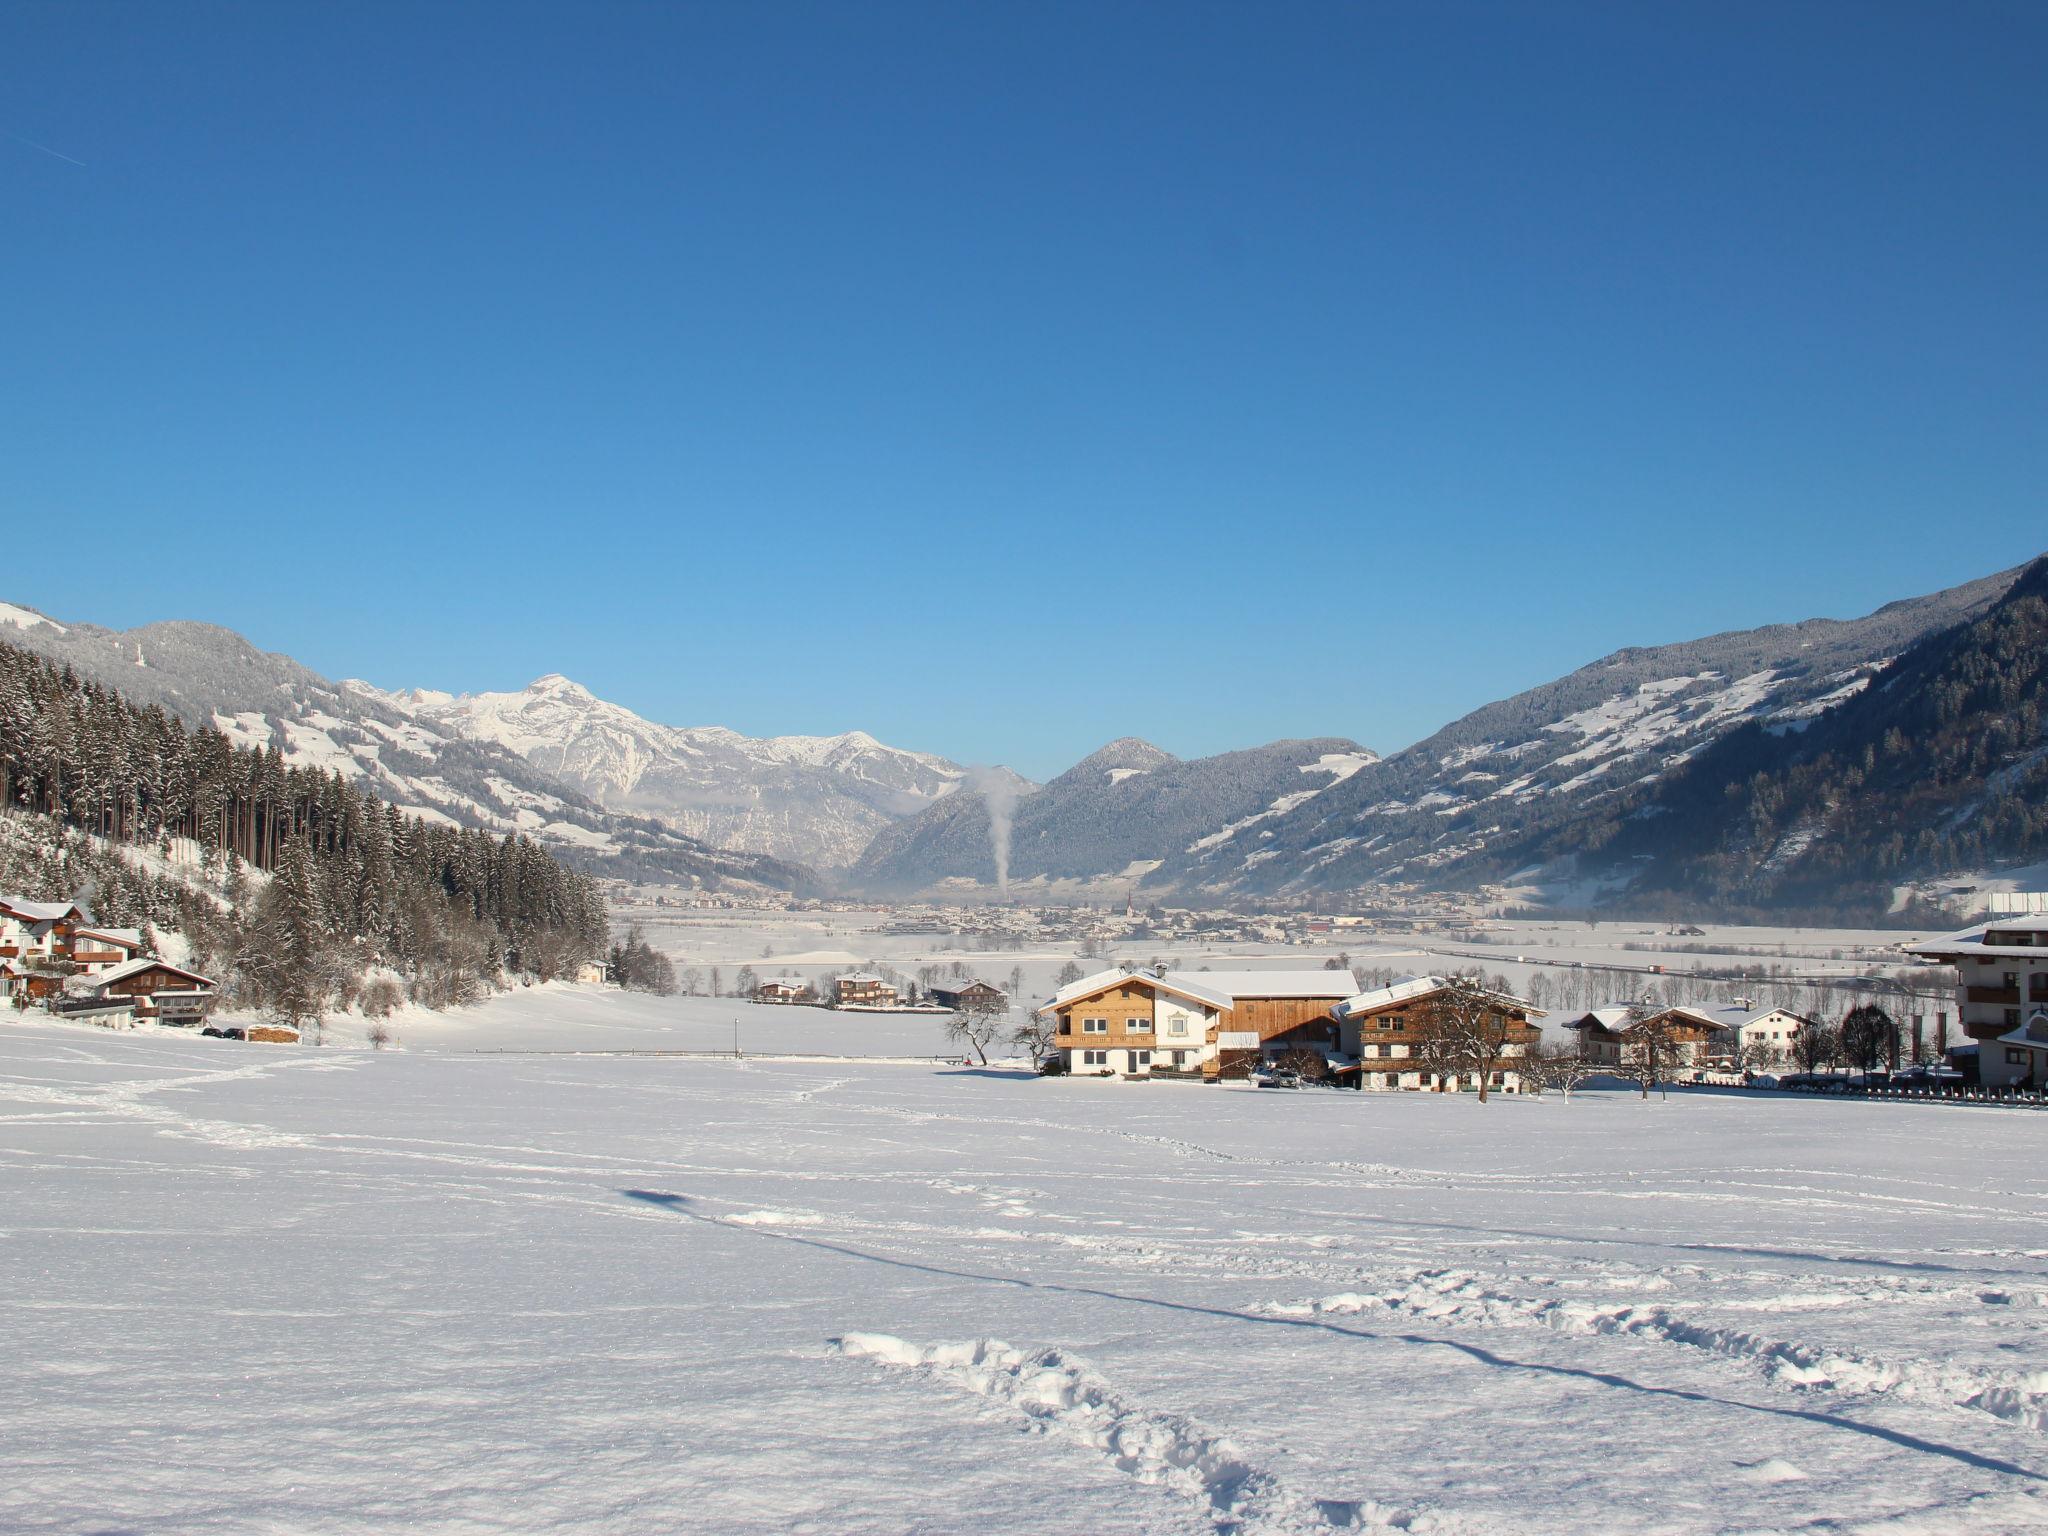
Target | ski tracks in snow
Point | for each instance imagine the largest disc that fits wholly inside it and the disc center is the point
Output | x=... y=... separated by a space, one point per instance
x=1061 y=1396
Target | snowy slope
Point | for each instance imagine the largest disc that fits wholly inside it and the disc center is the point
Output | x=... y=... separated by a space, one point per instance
x=264 y=1288
x=1448 y=810
x=817 y=800
x=206 y=675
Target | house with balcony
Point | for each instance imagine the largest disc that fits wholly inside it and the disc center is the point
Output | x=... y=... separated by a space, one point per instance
x=1693 y=1037
x=858 y=989
x=971 y=996
x=156 y=991
x=2001 y=999
x=37 y=930
x=1384 y=1036
x=94 y=949
x=1752 y=1036
x=1133 y=1022
x=781 y=990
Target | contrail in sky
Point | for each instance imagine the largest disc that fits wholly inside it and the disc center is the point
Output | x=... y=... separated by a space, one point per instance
x=32 y=144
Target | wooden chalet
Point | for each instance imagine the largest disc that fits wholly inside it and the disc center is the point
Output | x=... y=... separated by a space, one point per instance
x=1137 y=1023
x=1384 y=1037
x=860 y=990
x=781 y=991
x=37 y=930
x=1698 y=1036
x=970 y=995
x=158 y=991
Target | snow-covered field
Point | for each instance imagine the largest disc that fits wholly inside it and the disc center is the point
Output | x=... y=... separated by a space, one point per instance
x=281 y=1289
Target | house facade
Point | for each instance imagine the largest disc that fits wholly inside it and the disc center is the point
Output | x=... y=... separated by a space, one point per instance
x=1134 y=1023
x=2001 y=999
x=1759 y=1037
x=781 y=991
x=971 y=995
x=1384 y=1036
x=158 y=991
x=1693 y=1037
x=860 y=990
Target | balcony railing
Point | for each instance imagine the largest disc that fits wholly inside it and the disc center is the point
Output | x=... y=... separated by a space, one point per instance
x=2009 y=996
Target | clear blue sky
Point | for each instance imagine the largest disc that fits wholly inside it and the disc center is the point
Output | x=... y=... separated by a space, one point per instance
x=1003 y=379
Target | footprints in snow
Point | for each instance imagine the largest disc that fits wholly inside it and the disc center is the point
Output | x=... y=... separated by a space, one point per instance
x=1059 y=1395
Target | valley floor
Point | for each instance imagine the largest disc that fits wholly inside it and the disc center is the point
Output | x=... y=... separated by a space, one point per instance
x=289 y=1290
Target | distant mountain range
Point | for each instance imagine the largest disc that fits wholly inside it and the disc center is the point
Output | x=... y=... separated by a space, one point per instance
x=1525 y=790
x=1824 y=765
x=1118 y=814
x=206 y=675
x=815 y=800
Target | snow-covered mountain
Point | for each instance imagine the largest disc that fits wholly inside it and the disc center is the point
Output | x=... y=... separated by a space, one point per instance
x=206 y=675
x=1114 y=816
x=1478 y=800
x=816 y=800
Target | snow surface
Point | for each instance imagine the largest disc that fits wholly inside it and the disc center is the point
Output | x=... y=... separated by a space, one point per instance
x=26 y=618
x=252 y=1288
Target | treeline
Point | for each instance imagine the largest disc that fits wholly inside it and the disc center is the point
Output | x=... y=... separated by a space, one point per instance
x=315 y=889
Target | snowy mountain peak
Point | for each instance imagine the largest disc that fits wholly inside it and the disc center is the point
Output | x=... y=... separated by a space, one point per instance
x=556 y=684
x=817 y=800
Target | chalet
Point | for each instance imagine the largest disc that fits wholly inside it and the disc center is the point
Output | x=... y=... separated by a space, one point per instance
x=157 y=990
x=970 y=995
x=1594 y=1033
x=781 y=991
x=1217 y=1023
x=37 y=930
x=860 y=990
x=1750 y=1036
x=1696 y=1036
x=2001 y=999
x=1381 y=1034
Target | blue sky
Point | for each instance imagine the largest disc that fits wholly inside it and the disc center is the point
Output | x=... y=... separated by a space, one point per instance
x=1004 y=379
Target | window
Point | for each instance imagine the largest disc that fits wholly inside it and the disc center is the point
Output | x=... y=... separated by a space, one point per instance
x=1141 y=1058
x=1177 y=1025
x=2015 y=1058
x=1095 y=1058
x=1180 y=1058
x=2012 y=1018
x=1095 y=1026
x=1137 y=1026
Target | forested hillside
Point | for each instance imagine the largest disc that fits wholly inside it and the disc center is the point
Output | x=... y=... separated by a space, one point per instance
x=1512 y=783
x=302 y=886
x=1940 y=766
x=206 y=676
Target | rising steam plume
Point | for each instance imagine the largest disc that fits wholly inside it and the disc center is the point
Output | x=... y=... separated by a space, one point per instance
x=998 y=791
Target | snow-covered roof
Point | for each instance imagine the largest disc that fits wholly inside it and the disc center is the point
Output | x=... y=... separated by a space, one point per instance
x=1216 y=989
x=121 y=938
x=1399 y=990
x=1972 y=940
x=38 y=911
x=2033 y=1033
x=1737 y=1017
x=138 y=966
x=1404 y=988
x=859 y=976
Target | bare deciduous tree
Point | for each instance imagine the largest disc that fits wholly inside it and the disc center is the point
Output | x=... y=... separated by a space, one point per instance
x=978 y=1027
x=1557 y=1065
x=1467 y=1027
x=1035 y=1035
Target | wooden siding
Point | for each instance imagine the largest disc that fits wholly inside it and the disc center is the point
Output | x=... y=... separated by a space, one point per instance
x=1132 y=1000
